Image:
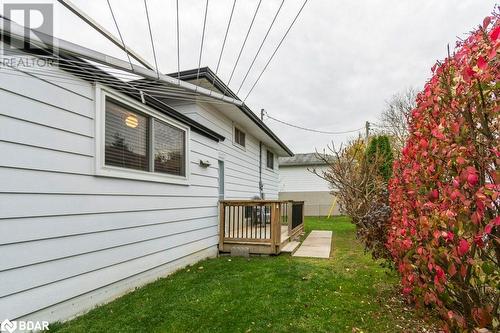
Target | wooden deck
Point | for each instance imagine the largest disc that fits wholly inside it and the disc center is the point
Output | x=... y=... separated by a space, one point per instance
x=262 y=226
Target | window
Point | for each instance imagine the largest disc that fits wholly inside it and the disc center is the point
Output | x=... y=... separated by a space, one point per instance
x=270 y=160
x=137 y=142
x=126 y=138
x=239 y=137
x=169 y=145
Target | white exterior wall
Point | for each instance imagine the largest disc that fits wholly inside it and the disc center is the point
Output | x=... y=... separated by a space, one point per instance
x=70 y=239
x=300 y=179
x=298 y=183
x=241 y=166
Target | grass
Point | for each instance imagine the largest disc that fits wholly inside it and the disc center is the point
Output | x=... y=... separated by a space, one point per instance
x=347 y=293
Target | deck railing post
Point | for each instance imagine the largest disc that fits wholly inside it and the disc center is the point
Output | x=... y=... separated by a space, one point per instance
x=303 y=213
x=222 y=225
x=275 y=226
x=289 y=213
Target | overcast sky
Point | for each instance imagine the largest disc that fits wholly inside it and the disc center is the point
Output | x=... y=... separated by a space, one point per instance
x=339 y=64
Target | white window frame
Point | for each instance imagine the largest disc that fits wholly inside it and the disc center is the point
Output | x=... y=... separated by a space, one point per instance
x=234 y=137
x=101 y=169
x=274 y=159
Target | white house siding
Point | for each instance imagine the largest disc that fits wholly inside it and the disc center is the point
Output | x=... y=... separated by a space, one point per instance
x=300 y=179
x=241 y=166
x=71 y=240
x=298 y=183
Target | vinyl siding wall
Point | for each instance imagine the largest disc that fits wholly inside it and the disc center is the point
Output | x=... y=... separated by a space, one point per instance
x=298 y=183
x=70 y=239
x=300 y=179
x=241 y=166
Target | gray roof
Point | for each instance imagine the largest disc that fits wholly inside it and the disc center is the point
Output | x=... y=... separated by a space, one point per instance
x=301 y=159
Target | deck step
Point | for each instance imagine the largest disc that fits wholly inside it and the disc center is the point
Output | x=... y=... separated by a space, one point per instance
x=290 y=247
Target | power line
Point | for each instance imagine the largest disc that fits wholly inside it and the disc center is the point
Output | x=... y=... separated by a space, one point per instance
x=120 y=34
x=17 y=32
x=242 y=46
x=225 y=37
x=116 y=79
x=55 y=77
x=151 y=37
x=260 y=47
x=276 y=50
x=121 y=85
x=100 y=29
x=310 y=129
x=202 y=39
x=178 y=43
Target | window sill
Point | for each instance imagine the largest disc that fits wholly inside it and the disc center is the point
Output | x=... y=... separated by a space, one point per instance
x=116 y=172
x=239 y=146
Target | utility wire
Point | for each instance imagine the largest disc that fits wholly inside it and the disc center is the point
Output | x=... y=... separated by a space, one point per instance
x=310 y=129
x=47 y=77
x=178 y=43
x=276 y=50
x=120 y=34
x=79 y=71
x=224 y=42
x=242 y=46
x=57 y=78
x=77 y=68
x=202 y=39
x=260 y=47
x=151 y=37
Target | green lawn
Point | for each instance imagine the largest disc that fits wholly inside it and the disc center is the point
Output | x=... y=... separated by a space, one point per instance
x=347 y=293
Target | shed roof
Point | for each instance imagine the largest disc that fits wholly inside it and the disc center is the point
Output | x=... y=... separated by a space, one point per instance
x=301 y=159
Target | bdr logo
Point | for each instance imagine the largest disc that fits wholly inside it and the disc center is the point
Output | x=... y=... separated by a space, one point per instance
x=21 y=325
x=39 y=17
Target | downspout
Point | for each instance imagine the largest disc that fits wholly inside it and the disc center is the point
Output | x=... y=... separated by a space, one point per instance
x=261 y=185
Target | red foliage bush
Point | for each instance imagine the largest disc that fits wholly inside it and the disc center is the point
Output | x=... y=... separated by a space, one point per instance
x=445 y=189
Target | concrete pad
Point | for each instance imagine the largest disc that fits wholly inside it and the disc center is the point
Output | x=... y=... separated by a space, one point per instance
x=317 y=245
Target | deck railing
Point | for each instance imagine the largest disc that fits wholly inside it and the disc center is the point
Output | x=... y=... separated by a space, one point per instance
x=263 y=226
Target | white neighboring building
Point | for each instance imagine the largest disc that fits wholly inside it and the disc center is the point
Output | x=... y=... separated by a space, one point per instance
x=298 y=182
x=103 y=191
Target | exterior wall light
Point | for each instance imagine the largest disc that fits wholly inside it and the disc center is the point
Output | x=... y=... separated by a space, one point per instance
x=204 y=163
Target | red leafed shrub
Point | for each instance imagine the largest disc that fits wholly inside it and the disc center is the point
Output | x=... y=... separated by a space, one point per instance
x=445 y=189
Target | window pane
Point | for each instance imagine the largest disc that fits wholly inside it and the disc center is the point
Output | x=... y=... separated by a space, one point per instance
x=270 y=160
x=126 y=138
x=169 y=146
x=242 y=140
x=239 y=137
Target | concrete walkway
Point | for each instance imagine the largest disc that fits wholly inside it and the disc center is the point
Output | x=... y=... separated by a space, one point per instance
x=317 y=245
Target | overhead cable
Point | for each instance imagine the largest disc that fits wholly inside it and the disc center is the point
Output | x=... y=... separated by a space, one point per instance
x=120 y=34
x=313 y=130
x=151 y=37
x=202 y=39
x=260 y=47
x=276 y=50
x=224 y=42
x=100 y=29
x=178 y=42
x=242 y=46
